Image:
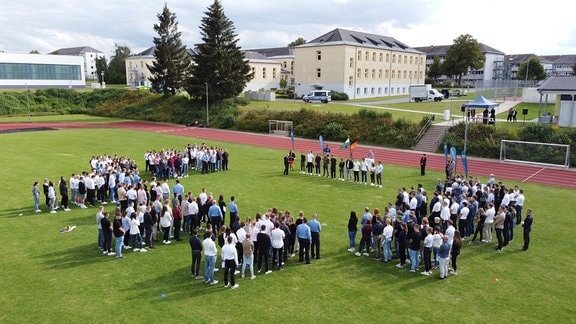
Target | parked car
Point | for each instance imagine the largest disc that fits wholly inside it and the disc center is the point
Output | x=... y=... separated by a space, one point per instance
x=318 y=95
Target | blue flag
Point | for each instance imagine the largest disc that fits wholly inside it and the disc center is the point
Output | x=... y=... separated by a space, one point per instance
x=445 y=151
x=292 y=138
x=454 y=157
x=464 y=163
x=321 y=140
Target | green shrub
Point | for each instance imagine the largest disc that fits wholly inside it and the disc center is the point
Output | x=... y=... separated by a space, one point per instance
x=339 y=95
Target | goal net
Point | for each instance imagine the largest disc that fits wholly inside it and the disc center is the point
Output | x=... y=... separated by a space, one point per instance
x=279 y=127
x=545 y=154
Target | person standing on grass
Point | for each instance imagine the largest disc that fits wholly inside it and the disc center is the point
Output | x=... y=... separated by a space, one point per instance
x=402 y=240
x=315 y=229
x=118 y=235
x=414 y=248
x=264 y=244
x=149 y=224
x=196 y=247
x=527 y=226
x=210 y=258
x=135 y=235
x=277 y=240
x=99 y=216
x=387 y=240
x=36 y=197
x=107 y=232
x=444 y=257
x=366 y=239
x=499 y=227
x=233 y=210
x=455 y=251
x=63 y=187
x=177 y=217
x=352 y=230
x=428 y=245
x=248 y=256
x=45 y=188
x=304 y=238
x=165 y=223
x=230 y=258
x=53 y=203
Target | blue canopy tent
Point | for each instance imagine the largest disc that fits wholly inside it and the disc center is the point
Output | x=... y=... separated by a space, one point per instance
x=479 y=102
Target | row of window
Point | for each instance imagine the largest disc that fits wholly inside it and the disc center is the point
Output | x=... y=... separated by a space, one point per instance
x=378 y=90
x=401 y=74
x=408 y=59
x=264 y=72
x=28 y=71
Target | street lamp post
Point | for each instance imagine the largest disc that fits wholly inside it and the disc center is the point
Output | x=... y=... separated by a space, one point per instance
x=527 y=69
x=207 y=117
x=102 y=75
x=27 y=102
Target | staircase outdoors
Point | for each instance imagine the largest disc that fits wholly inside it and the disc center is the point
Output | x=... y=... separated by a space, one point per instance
x=430 y=141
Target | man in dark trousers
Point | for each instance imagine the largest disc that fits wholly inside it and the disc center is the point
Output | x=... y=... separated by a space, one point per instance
x=527 y=225
x=423 y=165
x=286 y=163
x=264 y=244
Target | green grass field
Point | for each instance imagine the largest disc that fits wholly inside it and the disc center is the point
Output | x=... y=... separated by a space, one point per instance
x=53 y=277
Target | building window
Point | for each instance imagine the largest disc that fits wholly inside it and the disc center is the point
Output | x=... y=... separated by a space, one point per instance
x=357 y=91
x=359 y=73
x=405 y=74
x=273 y=73
x=371 y=90
x=380 y=74
x=351 y=62
x=350 y=81
x=318 y=73
x=399 y=58
x=359 y=55
x=285 y=65
x=373 y=73
x=374 y=56
x=366 y=73
x=263 y=73
x=367 y=56
x=319 y=55
x=292 y=67
x=386 y=90
x=394 y=58
x=379 y=90
x=411 y=59
x=386 y=76
x=387 y=58
x=381 y=57
x=254 y=71
x=393 y=74
x=365 y=90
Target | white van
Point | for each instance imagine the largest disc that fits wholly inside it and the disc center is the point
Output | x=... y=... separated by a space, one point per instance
x=318 y=95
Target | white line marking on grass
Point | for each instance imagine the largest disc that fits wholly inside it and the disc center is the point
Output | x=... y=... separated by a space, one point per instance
x=535 y=173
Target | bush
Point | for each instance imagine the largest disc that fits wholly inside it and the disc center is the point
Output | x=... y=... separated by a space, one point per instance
x=339 y=95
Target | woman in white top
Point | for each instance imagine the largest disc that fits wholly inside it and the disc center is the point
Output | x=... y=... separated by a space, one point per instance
x=52 y=197
x=230 y=257
x=135 y=233
x=490 y=213
x=165 y=223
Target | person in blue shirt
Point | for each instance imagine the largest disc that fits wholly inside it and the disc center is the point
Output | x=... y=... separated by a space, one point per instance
x=233 y=209
x=304 y=238
x=444 y=257
x=215 y=215
x=315 y=229
x=178 y=190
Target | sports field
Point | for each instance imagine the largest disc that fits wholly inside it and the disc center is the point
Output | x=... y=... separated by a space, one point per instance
x=52 y=277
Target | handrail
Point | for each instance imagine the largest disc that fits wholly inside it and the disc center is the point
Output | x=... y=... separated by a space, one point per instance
x=424 y=130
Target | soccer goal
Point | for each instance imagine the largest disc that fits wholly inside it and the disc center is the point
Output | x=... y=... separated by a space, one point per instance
x=279 y=127
x=545 y=154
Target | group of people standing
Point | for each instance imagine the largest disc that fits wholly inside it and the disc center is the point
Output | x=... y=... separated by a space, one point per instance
x=434 y=231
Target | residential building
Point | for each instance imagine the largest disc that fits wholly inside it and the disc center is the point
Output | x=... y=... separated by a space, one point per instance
x=137 y=73
x=89 y=55
x=283 y=55
x=41 y=71
x=359 y=64
x=493 y=68
x=267 y=72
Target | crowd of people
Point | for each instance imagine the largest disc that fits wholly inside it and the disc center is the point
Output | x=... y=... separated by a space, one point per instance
x=364 y=170
x=416 y=230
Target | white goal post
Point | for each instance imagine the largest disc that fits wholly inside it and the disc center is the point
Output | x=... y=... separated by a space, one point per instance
x=280 y=127
x=545 y=154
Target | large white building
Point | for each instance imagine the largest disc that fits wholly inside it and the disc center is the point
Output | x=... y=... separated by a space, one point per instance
x=41 y=71
x=89 y=55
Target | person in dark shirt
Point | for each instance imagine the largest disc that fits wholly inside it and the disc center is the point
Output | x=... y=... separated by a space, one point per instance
x=527 y=225
x=414 y=248
x=352 y=230
x=118 y=234
x=107 y=231
x=264 y=244
x=148 y=227
x=196 y=247
x=401 y=240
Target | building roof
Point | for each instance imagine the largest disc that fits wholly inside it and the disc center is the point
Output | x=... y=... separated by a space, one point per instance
x=519 y=58
x=75 y=50
x=150 y=52
x=256 y=57
x=559 y=84
x=287 y=51
x=559 y=59
x=355 y=38
x=442 y=49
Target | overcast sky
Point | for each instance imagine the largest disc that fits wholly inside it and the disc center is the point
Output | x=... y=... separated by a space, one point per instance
x=511 y=26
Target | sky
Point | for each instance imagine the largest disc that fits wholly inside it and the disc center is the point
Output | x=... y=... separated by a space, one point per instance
x=511 y=26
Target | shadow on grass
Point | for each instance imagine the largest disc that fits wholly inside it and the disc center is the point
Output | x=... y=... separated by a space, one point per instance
x=76 y=256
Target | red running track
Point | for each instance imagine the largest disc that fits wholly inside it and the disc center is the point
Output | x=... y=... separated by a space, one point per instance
x=550 y=176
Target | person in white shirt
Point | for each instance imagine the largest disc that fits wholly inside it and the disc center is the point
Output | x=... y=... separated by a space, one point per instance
x=445 y=214
x=450 y=232
x=387 y=241
x=519 y=205
x=277 y=238
x=135 y=233
x=230 y=258
x=210 y=258
x=463 y=219
x=490 y=213
x=428 y=244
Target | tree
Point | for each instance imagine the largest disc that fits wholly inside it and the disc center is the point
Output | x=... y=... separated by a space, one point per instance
x=283 y=83
x=435 y=69
x=34 y=52
x=298 y=41
x=534 y=68
x=464 y=54
x=219 y=64
x=116 y=72
x=101 y=66
x=172 y=63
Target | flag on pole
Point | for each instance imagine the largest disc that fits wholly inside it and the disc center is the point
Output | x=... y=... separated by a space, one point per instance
x=321 y=140
x=346 y=143
x=464 y=163
x=454 y=157
x=292 y=138
x=354 y=144
x=445 y=151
